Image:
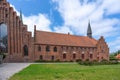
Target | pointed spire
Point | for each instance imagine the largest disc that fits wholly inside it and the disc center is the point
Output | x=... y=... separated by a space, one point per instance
x=89 y=30
x=21 y=16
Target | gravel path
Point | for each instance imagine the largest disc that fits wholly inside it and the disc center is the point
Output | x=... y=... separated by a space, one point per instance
x=8 y=69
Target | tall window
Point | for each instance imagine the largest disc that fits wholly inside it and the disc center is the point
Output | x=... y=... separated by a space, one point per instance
x=41 y=57
x=52 y=58
x=25 y=49
x=91 y=56
x=83 y=56
x=64 y=56
x=55 y=49
x=39 y=48
x=74 y=56
x=47 y=48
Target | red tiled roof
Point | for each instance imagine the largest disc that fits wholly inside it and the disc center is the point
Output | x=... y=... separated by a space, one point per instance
x=118 y=56
x=43 y=37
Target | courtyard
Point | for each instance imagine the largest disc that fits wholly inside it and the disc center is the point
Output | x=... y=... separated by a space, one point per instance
x=68 y=71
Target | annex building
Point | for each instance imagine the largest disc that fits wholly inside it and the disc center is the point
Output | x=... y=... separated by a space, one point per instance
x=20 y=46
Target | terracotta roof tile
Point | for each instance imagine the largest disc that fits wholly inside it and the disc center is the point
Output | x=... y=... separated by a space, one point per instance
x=118 y=56
x=43 y=37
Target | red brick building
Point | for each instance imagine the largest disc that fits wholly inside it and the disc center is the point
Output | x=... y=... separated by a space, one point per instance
x=21 y=46
x=117 y=56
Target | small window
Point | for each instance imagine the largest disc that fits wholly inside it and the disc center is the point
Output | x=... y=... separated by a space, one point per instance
x=55 y=49
x=83 y=56
x=47 y=48
x=102 y=51
x=74 y=56
x=6 y=15
x=39 y=48
x=25 y=48
x=52 y=58
x=91 y=56
x=64 y=56
x=97 y=58
x=102 y=58
x=41 y=57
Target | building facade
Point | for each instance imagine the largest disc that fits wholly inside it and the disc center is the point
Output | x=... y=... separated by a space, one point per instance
x=20 y=46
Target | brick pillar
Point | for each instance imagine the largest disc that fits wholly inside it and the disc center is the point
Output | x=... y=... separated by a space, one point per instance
x=11 y=29
x=20 y=31
x=14 y=30
x=9 y=34
x=18 y=35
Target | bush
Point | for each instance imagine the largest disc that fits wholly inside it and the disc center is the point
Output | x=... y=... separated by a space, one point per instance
x=4 y=55
x=47 y=61
x=78 y=60
x=103 y=62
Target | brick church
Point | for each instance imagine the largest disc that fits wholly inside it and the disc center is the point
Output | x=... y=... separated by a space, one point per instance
x=19 y=45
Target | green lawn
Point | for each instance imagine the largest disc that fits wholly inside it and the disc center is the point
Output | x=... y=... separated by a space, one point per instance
x=68 y=72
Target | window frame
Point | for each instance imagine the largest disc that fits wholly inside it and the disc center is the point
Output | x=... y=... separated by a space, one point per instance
x=39 y=48
x=55 y=49
x=47 y=48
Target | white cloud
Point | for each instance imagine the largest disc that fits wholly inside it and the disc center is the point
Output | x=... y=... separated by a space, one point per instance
x=114 y=45
x=64 y=29
x=41 y=21
x=76 y=15
x=112 y=6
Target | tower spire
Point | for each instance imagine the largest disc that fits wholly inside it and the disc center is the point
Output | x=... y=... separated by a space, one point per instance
x=21 y=16
x=89 y=30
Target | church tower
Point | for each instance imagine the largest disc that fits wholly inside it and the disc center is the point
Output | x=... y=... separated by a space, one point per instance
x=89 y=31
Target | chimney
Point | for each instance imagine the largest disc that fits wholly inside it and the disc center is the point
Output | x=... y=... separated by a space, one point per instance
x=34 y=32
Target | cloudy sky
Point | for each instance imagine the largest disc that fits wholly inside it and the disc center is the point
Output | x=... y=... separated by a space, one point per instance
x=72 y=16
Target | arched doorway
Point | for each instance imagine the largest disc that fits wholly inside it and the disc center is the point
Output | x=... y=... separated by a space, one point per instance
x=3 y=38
x=25 y=49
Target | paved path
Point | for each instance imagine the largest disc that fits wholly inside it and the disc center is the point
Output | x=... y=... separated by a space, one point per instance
x=8 y=69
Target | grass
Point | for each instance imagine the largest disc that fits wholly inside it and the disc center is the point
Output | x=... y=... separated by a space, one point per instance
x=68 y=72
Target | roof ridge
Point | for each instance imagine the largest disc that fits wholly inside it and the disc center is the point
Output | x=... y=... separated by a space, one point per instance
x=60 y=33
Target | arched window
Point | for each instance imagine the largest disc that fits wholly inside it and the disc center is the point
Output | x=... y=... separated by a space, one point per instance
x=52 y=58
x=47 y=48
x=74 y=56
x=83 y=56
x=39 y=48
x=55 y=49
x=64 y=56
x=25 y=49
x=91 y=56
x=41 y=57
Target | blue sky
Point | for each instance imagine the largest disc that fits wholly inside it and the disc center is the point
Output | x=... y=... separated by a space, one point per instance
x=72 y=16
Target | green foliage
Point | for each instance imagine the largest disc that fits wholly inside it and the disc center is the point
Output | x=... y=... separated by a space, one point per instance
x=68 y=72
x=4 y=55
x=115 y=53
x=103 y=62
x=50 y=61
